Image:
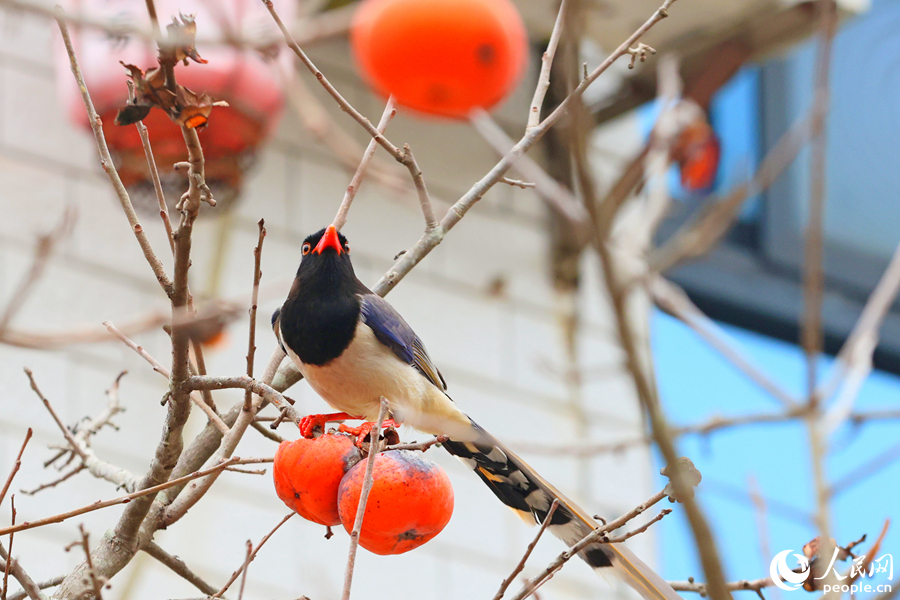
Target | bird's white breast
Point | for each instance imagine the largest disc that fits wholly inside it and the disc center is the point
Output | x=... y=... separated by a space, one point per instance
x=366 y=371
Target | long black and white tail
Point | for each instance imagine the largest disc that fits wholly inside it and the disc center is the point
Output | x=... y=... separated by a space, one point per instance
x=520 y=488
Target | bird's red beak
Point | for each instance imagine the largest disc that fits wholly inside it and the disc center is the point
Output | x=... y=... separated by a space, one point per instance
x=329 y=240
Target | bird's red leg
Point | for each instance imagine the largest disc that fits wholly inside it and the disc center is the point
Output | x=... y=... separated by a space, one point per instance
x=362 y=432
x=309 y=423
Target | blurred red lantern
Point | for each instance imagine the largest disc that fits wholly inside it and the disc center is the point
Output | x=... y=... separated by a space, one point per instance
x=239 y=76
x=441 y=57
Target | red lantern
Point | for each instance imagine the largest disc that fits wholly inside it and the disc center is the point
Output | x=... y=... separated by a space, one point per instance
x=239 y=76
x=441 y=57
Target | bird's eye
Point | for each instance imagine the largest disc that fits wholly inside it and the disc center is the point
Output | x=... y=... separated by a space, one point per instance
x=306 y=248
x=346 y=247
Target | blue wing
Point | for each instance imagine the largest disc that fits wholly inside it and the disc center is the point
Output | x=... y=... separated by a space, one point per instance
x=395 y=333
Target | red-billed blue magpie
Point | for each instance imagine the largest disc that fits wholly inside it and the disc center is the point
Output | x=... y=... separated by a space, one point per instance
x=353 y=348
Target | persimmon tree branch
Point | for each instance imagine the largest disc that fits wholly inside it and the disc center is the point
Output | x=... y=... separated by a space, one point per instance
x=251 y=555
x=107 y=163
x=341 y=217
x=368 y=480
x=126 y=499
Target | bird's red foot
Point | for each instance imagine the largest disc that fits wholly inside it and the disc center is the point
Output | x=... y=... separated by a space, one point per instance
x=310 y=423
x=363 y=431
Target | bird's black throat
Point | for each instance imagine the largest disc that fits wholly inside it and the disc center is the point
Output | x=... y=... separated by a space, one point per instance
x=320 y=315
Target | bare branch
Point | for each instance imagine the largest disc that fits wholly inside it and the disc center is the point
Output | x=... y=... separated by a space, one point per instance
x=368 y=480
x=551 y=191
x=177 y=566
x=154 y=175
x=29 y=587
x=251 y=554
x=700 y=588
x=813 y=274
x=76 y=448
x=120 y=500
x=423 y=446
x=418 y=179
x=96 y=583
x=341 y=217
x=34 y=591
x=107 y=163
x=597 y=535
x=534 y=113
x=12 y=502
x=251 y=338
x=201 y=404
x=16 y=466
x=525 y=185
x=245 y=568
x=518 y=568
x=56 y=481
x=641 y=529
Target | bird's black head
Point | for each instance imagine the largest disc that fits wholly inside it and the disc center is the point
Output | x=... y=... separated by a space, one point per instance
x=318 y=320
x=326 y=258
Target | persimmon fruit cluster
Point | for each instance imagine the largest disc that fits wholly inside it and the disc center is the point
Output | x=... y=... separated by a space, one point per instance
x=321 y=479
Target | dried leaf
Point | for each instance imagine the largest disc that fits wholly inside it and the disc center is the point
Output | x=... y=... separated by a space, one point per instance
x=132 y=113
x=181 y=38
x=689 y=475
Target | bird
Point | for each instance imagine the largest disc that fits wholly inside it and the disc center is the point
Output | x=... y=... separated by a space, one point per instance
x=354 y=349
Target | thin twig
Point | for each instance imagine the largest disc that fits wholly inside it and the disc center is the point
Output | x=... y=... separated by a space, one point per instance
x=594 y=536
x=34 y=591
x=811 y=326
x=157 y=366
x=107 y=162
x=120 y=500
x=368 y=480
x=342 y=102
x=9 y=561
x=341 y=217
x=621 y=538
x=200 y=402
x=244 y=568
x=735 y=586
x=518 y=568
x=16 y=466
x=76 y=448
x=525 y=185
x=534 y=113
x=29 y=587
x=95 y=580
x=251 y=554
x=421 y=446
x=56 y=481
x=409 y=161
x=154 y=175
x=254 y=299
x=177 y=566
x=551 y=191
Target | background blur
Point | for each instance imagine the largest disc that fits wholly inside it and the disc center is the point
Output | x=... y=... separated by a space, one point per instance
x=531 y=354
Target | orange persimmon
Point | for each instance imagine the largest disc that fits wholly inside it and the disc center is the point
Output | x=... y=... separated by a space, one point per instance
x=307 y=474
x=442 y=57
x=410 y=502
